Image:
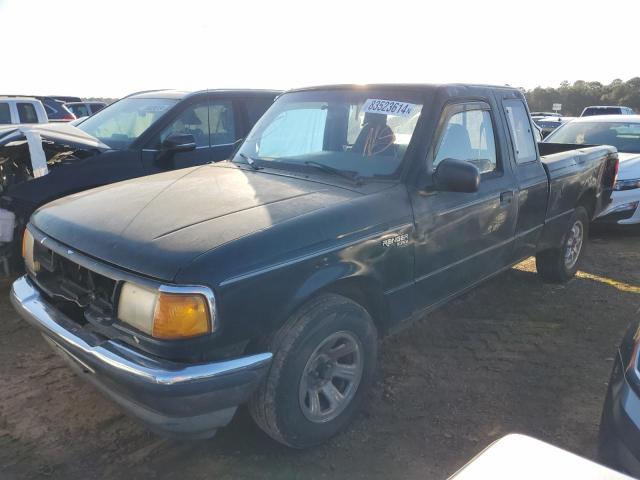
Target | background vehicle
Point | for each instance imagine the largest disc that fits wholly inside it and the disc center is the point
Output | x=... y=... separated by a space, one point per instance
x=56 y=110
x=85 y=109
x=549 y=124
x=65 y=98
x=21 y=110
x=346 y=212
x=142 y=134
x=619 y=440
x=623 y=132
x=606 y=110
x=536 y=115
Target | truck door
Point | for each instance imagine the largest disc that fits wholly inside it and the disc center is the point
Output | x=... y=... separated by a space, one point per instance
x=463 y=238
x=531 y=178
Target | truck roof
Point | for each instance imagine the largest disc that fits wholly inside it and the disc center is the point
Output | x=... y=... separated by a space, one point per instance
x=404 y=86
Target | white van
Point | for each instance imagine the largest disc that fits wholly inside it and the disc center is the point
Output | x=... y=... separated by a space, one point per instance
x=21 y=110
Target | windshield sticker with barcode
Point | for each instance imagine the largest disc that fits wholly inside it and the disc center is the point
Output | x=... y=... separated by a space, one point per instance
x=389 y=107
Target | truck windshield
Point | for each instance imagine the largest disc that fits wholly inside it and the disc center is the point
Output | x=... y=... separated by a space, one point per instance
x=362 y=132
x=119 y=124
x=625 y=136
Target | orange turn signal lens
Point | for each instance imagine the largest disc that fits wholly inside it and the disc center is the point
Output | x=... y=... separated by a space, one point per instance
x=180 y=316
x=27 y=252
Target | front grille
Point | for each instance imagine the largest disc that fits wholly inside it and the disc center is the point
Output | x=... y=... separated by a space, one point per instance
x=82 y=294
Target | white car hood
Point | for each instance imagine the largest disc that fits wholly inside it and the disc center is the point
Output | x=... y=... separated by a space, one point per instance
x=629 y=166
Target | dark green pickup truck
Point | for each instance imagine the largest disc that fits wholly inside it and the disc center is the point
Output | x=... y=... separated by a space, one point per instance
x=267 y=279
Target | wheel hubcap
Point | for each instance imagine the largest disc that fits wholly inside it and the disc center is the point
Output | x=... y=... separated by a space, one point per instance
x=574 y=245
x=331 y=377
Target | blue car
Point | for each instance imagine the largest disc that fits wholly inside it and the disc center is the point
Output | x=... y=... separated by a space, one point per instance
x=619 y=442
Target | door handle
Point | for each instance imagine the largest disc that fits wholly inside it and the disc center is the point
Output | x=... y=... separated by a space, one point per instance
x=506 y=198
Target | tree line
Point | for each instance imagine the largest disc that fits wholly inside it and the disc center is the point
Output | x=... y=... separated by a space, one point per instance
x=574 y=97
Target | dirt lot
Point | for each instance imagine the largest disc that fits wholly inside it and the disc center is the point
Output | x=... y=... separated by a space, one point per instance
x=514 y=355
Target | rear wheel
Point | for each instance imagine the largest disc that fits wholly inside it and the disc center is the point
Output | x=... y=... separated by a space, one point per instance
x=560 y=264
x=324 y=361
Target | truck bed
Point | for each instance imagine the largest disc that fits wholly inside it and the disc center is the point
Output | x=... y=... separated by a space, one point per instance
x=576 y=173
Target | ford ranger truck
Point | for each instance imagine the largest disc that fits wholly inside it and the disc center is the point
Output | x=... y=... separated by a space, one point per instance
x=268 y=279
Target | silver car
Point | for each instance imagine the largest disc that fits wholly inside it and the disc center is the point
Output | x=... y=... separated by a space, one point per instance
x=622 y=132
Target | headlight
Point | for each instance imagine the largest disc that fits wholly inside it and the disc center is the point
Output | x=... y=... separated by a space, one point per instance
x=168 y=312
x=627 y=184
x=27 y=252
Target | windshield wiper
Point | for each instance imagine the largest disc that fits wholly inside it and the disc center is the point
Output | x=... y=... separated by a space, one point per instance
x=250 y=161
x=354 y=178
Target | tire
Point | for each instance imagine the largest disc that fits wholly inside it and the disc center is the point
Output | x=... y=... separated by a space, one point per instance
x=553 y=265
x=282 y=405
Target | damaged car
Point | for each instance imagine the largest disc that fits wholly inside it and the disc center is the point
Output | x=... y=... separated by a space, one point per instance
x=142 y=134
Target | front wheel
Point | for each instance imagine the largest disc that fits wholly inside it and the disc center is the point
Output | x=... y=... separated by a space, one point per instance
x=324 y=361
x=559 y=265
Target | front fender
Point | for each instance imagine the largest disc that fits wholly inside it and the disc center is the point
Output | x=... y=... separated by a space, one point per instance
x=258 y=304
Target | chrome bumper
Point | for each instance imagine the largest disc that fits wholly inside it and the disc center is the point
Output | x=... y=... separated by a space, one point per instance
x=184 y=400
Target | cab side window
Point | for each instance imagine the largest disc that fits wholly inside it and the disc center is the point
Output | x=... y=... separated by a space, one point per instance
x=520 y=129
x=222 y=123
x=27 y=113
x=468 y=136
x=193 y=120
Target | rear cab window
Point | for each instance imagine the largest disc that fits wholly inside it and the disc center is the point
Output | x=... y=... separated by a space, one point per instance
x=520 y=131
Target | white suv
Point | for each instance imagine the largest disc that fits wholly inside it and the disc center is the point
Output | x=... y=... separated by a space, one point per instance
x=21 y=110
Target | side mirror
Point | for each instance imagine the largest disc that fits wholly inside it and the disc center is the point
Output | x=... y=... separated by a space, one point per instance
x=456 y=176
x=179 y=142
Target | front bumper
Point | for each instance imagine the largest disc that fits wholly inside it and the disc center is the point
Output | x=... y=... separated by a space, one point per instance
x=619 y=442
x=175 y=399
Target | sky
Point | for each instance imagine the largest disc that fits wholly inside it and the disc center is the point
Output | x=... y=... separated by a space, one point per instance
x=110 y=48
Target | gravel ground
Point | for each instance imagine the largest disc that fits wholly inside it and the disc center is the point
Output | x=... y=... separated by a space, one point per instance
x=514 y=355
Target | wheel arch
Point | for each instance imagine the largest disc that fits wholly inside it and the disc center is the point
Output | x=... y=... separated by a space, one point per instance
x=341 y=280
x=588 y=201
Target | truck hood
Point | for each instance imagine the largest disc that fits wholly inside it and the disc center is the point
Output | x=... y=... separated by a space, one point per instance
x=629 y=166
x=158 y=224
